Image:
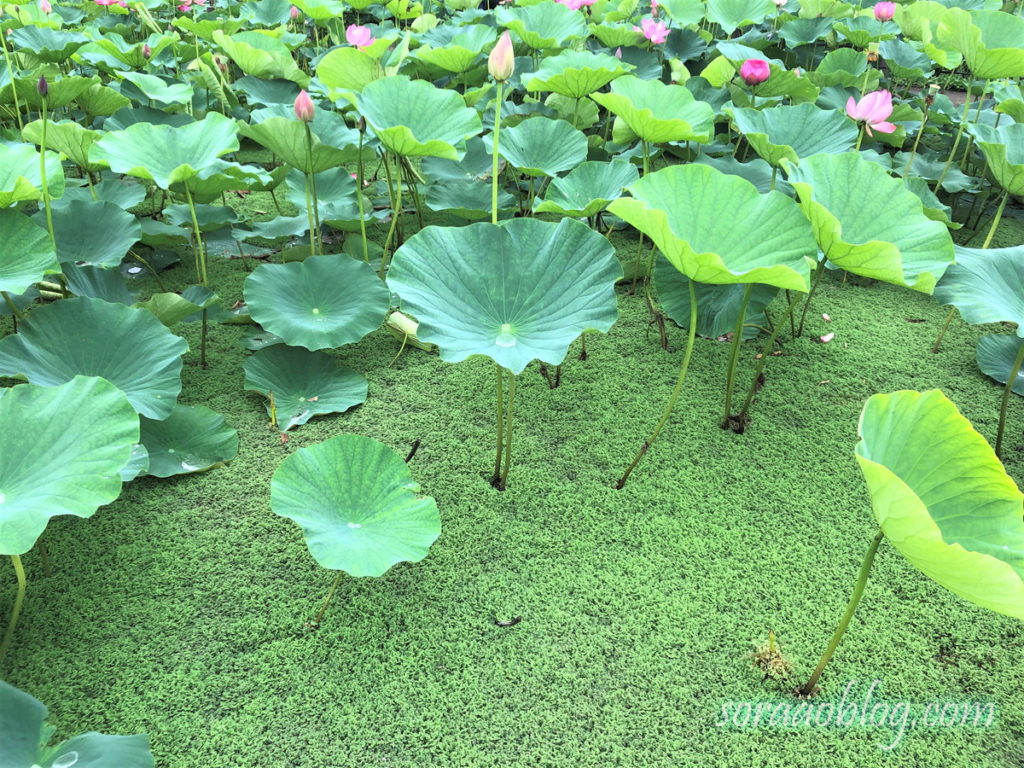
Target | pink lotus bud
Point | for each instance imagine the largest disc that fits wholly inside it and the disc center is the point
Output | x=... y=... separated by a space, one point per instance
x=755 y=71
x=42 y=86
x=304 y=107
x=618 y=52
x=293 y=13
x=502 y=61
x=146 y=51
x=360 y=37
x=45 y=7
x=884 y=11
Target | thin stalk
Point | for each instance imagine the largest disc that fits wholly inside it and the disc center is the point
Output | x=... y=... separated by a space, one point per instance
x=945 y=327
x=1006 y=396
x=494 y=154
x=496 y=477
x=759 y=368
x=410 y=174
x=507 y=461
x=995 y=221
x=200 y=269
x=851 y=607
x=10 y=73
x=675 y=392
x=917 y=140
x=359 y=194
x=15 y=312
x=42 y=177
x=396 y=211
x=775 y=173
x=734 y=355
x=640 y=242
x=956 y=141
x=312 y=204
x=818 y=272
x=327 y=600
x=19 y=601
x=860 y=138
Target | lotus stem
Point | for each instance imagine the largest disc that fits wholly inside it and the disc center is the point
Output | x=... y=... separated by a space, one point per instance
x=396 y=212
x=44 y=556
x=10 y=73
x=327 y=600
x=42 y=177
x=995 y=221
x=359 y=194
x=945 y=327
x=16 y=313
x=312 y=204
x=862 y=579
x=1014 y=370
x=500 y=377
x=19 y=601
x=675 y=392
x=200 y=268
x=640 y=243
x=734 y=355
x=410 y=174
x=759 y=368
x=507 y=461
x=818 y=272
x=494 y=153
x=908 y=168
x=860 y=138
x=775 y=173
x=956 y=141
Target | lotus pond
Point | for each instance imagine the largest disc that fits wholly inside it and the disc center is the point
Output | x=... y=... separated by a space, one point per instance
x=576 y=383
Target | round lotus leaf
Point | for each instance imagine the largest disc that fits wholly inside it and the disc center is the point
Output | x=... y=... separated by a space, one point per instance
x=719 y=229
x=515 y=292
x=303 y=384
x=869 y=223
x=943 y=499
x=63 y=448
x=455 y=48
x=191 y=439
x=466 y=199
x=126 y=346
x=356 y=502
x=543 y=25
x=261 y=56
x=324 y=301
x=657 y=112
x=543 y=147
x=414 y=118
x=996 y=354
x=26 y=254
x=992 y=42
x=93 y=232
x=1004 y=150
x=793 y=133
x=733 y=14
x=576 y=74
x=588 y=188
x=20 y=177
x=986 y=285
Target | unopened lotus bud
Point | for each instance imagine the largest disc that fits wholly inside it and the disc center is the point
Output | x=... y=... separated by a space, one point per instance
x=43 y=87
x=502 y=61
x=146 y=51
x=303 y=107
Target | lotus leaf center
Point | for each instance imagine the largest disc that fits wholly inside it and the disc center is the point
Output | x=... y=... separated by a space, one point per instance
x=505 y=337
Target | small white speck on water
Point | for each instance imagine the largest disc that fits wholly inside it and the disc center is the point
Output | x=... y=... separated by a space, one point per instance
x=354 y=525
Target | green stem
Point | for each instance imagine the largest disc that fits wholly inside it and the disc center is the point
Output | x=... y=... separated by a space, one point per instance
x=327 y=600
x=956 y=141
x=945 y=327
x=200 y=269
x=494 y=154
x=759 y=368
x=496 y=477
x=10 y=73
x=42 y=178
x=396 y=211
x=1006 y=396
x=908 y=168
x=507 y=461
x=858 y=590
x=734 y=355
x=995 y=221
x=775 y=173
x=675 y=392
x=314 y=210
x=818 y=272
x=640 y=243
x=15 y=312
x=19 y=601
x=860 y=138
x=359 y=195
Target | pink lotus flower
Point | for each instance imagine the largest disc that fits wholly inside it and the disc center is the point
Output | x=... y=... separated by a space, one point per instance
x=186 y=5
x=303 y=107
x=655 y=31
x=45 y=7
x=884 y=11
x=293 y=13
x=501 y=62
x=122 y=3
x=360 y=37
x=146 y=51
x=572 y=5
x=755 y=71
x=872 y=110
x=618 y=52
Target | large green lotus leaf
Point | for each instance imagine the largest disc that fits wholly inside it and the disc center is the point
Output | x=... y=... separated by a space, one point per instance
x=100 y=100
x=576 y=73
x=303 y=384
x=544 y=25
x=97 y=283
x=49 y=45
x=26 y=253
x=1004 y=150
x=191 y=439
x=63 y=449
x=618 y=35
x=417 y=119
x=24 y=735
x=157 y=89
x=515 y=292
x=905 y=61
x=466 y=199
x=261 y=55
x=996 y=354
x=286 y=138
x=356 y=503
x=992 y=42
x=920 y=21
x=89 y=337
x=732 y=14
x=718 y=306
x=588 y=188
x=861 y=31
x=67 y=137
x=543 y=147
x=793 y=133
x=61 y=91
x=657 y=112
x=20 y=179
x=943 y=499
x=166 y=154
x=93 y=232
x=453 y=48
x=324 y=301
x=1010 y=100
x=346 y=71
x=719 y=229
x=869 y=223
x=986 y=285
x=798 y=32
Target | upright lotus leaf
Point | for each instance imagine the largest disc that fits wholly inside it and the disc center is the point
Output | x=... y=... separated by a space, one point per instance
x=414 y=118
x=453 y=48
x=89 y=337
x=1010 y=100
x=1004 y=150
x=93 y=232
x=732 y=14
x=286 y=138
x=792 y=133
x=657 y=112
x=97 y=283
x=24 y=735
x=191 y=439
x=346 y=71
x=719 y=229
x=26 y=253
x=325 y=301
x=515 y=292
x=261 y=55
x=543 y=25
x=167 y=154
x=992 y=42
x=61 y=91
x=20 y=177
x=543 y=147
x=588 y=188
x=986 y=285
x=466 y=199
x=67 y=137
x=576 y=74
x=357 y=504
x=996 y=355
x=617 y=35
x=63 y=448
x=869 y=223
x=797 y=32
x=100 y=100
x=48 y=45
x=905 y=61
x=156 y=89
x=943 y=499
x=300 y=384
